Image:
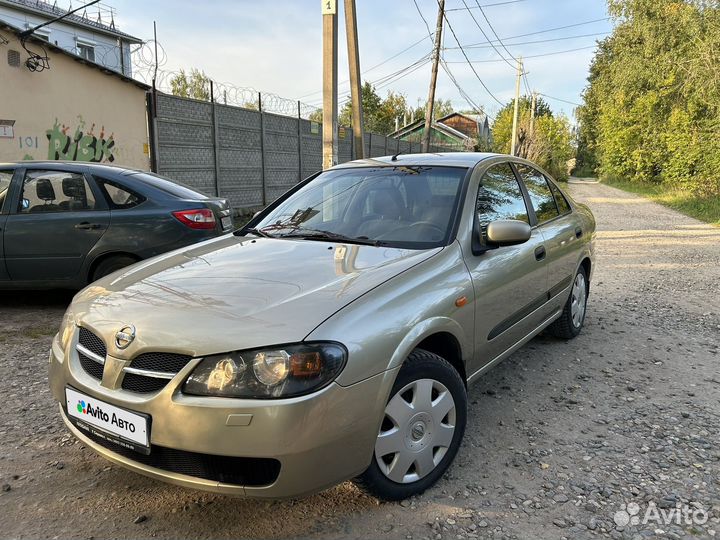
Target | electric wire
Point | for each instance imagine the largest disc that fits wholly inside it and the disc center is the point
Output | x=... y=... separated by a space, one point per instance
x=452 y=31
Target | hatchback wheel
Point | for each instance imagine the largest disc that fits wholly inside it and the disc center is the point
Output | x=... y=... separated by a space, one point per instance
x=421 y=431
x=110 y=265
x=573 y=316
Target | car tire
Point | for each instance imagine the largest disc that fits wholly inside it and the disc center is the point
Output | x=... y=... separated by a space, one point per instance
x=570 y=322
x=110 y=265
x=424 y=420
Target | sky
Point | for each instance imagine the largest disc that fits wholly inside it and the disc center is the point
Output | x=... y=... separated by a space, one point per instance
x=276 y=46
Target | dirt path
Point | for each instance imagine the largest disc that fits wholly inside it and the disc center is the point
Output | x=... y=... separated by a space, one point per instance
x=559 y=436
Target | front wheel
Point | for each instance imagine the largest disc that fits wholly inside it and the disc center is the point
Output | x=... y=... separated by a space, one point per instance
x=569 y=324
x=422 y=429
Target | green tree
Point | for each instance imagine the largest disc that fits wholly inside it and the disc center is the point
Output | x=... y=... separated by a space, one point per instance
x=548 y=143
x=651 y=109
x=196 y=85
x=370 y=104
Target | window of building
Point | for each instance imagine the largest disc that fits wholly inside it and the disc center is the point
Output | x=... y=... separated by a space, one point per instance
x=86 y=51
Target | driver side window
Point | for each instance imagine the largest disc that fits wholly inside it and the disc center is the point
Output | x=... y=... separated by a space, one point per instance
x=500 y=197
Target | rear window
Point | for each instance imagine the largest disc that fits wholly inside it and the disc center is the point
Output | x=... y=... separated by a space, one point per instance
x=169 y=186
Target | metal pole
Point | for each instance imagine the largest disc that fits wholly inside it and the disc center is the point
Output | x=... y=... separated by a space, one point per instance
x=262 y=149
x=517 y=106
x=433 y=77
x=215 y=140
x=299 y=132
x=330 y=83
x=355 y=83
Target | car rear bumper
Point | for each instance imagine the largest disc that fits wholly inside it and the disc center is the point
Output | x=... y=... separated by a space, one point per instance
x=302 y=445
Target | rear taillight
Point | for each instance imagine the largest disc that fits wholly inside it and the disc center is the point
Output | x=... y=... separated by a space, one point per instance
x=202 y=218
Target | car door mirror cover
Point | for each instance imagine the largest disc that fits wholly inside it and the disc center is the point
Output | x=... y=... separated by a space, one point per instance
x=508 y=232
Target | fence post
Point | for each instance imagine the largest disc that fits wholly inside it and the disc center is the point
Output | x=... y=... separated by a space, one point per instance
x=299 y=132
x=386 y=146
x=262 y=150
x=215 y=141
x=369 y=145
x=152 y=130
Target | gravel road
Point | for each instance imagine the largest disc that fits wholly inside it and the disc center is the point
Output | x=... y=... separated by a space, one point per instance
x=602 y=436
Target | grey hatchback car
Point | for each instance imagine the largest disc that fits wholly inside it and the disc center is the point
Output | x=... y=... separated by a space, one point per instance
x=334 y=336
x=66 y=224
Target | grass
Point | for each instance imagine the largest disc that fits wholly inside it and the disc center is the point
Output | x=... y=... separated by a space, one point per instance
x=704 y=208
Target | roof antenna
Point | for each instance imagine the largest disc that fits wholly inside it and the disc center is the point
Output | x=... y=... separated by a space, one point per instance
x=394 y=158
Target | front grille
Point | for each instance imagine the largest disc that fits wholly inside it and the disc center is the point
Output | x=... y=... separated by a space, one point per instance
x=142 y=384
x=166 y=362
x=162 y=362
x=91 y=367
x=240 y=471
x=92 y=342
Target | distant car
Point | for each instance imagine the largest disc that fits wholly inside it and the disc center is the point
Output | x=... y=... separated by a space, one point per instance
x=332 y=337
x=66 y=224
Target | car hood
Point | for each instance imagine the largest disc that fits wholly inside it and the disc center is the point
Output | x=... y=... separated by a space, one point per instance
x=235 y=293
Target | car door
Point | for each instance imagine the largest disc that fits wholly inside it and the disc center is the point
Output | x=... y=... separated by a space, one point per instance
x=510 y=282
x=59 y=217
x=6 y=175
x=559 y=229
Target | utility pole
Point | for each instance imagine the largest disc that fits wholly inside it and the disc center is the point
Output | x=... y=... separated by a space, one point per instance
x=515 y=113
x=433 y=77
x=532 y=113
x=355 y=83
x=330 y=83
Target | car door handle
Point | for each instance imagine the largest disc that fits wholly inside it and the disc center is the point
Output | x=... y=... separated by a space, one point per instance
x=87 y=226
x=578 y=232
x=540 y=253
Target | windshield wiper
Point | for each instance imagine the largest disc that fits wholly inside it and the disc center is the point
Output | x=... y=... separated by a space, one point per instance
x=255 y=231
x=315 y=234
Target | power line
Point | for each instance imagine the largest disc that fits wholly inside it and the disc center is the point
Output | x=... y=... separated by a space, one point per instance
x=530 y=56
x=430 y=34
x=559 y=99
x=471 y=45
x=490 y=5
x=488 y=46
x=373 y=67
x=452 y=31
x=486 y=36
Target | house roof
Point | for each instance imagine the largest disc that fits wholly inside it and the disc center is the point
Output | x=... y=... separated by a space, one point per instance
x=478 y=118
x=49 y=46
x=51 y=11
x=438 y=125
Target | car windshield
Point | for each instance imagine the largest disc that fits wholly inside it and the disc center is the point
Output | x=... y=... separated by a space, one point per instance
x=407 y=207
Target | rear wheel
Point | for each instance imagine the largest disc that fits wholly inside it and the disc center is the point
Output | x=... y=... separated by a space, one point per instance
x=573 y=316
x=110 y=265
x=421 y=431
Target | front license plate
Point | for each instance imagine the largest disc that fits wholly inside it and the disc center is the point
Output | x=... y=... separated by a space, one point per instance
x=120 y=426
x=226 y=222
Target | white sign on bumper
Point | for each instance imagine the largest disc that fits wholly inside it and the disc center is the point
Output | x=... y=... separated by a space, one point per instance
x=119 y=422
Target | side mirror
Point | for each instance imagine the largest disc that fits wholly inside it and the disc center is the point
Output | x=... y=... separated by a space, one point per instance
x=508 y=232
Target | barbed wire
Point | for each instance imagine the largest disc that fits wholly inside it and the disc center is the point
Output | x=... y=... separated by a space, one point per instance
x=144 y=69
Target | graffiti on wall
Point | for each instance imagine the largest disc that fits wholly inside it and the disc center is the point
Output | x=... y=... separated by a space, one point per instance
x=81 y=145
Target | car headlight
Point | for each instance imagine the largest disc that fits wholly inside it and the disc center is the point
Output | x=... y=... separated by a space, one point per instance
x=276 y=372
x=67 y=327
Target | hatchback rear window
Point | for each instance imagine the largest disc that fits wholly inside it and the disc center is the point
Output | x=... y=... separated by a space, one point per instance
x=169 y=186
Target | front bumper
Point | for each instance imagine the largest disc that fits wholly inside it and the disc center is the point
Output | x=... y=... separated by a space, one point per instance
x=319 y=440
